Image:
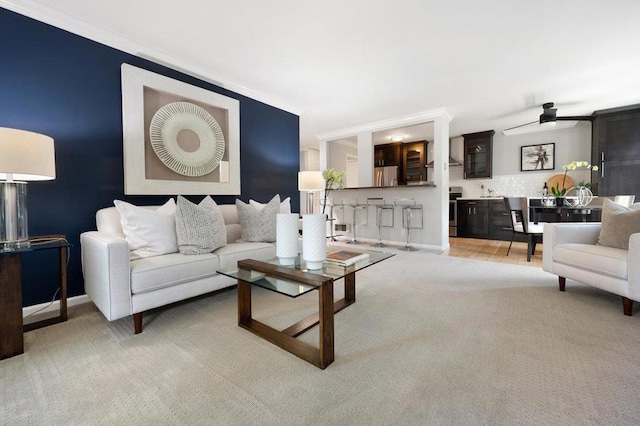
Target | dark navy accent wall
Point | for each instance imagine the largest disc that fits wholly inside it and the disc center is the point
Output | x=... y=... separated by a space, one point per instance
x=68 y=87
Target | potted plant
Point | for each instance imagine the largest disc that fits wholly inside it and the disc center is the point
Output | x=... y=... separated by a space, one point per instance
x=333 y=180
x=559 y=192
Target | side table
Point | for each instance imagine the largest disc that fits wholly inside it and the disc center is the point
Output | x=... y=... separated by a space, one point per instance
x=11 y=321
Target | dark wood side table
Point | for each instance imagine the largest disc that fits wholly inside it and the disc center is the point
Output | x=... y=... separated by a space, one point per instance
x=11 y=322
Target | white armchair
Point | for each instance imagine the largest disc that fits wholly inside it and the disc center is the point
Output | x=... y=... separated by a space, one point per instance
x=570 y=250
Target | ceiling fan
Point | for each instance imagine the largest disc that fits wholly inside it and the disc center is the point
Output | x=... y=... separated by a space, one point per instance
x=548 y=118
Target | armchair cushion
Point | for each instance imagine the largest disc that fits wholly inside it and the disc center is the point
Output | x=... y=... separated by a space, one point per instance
x=600 y=260
x=618 y=223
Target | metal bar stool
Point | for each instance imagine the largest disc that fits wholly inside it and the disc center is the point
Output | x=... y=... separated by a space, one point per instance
x=409 y=219
x=329 y=203
x=380 y=206
x=355 y=205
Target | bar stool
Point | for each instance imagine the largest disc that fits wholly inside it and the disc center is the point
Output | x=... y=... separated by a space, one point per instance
x=329 y=203
x=380 y=206
x=409 y=219
x=355 y=206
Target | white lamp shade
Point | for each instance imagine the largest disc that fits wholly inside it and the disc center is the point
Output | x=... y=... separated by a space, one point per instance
x=310 y=181
x=26 y=155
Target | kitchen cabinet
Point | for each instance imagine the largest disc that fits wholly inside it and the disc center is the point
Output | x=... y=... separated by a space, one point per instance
x=616 y=151
x=478 y=155
x=487 y=219
x=473 y=218
x=414 y=161
x=389 y=154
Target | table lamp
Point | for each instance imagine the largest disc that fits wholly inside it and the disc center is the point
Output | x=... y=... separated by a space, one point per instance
x=310 y=182
x=24 y=156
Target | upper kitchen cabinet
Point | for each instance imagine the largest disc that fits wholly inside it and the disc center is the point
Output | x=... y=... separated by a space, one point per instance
x=414 y=161
x=616 y=151
x=478 y=153
x=389 y=154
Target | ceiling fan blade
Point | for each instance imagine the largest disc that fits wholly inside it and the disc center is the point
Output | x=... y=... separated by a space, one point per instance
x=521 y=125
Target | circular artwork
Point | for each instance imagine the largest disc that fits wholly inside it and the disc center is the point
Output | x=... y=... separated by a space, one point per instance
x=167 y=124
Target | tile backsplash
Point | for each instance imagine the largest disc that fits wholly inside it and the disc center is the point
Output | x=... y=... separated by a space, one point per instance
x=524 y=184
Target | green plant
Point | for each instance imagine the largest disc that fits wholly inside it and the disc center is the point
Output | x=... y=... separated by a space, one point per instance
x=556 y=191
x=332 y=180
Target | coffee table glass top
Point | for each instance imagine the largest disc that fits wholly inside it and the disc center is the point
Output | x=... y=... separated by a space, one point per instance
x=294 y=289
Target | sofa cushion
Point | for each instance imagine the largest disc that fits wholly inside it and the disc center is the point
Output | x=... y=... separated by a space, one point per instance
x=153 y=273
x=599 y=259
x=200 y=228
x=285 y=205
x=258 y=225
x=618 y=223
x=149 y=232
x=231 y=253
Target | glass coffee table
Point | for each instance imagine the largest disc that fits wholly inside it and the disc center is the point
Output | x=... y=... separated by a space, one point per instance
x=294 y=281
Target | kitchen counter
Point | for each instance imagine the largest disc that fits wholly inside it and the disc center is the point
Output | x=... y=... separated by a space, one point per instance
x=417 y=185
x=479 y=198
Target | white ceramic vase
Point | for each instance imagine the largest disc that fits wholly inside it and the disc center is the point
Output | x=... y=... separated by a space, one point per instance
x=314 y=240
x=287 y=238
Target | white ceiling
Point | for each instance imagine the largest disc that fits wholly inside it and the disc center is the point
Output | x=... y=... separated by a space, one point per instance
x=340 y=64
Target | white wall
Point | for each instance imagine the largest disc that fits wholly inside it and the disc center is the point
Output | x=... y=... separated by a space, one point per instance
x=571 y=144
x=337 y=155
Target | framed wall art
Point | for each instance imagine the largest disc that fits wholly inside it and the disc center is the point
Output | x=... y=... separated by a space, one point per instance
x=537 y=157
x=178 y=138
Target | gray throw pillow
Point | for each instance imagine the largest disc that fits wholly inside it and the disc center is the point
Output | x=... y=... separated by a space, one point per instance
x=618 y=223
x=258 y=225
x=200 y=228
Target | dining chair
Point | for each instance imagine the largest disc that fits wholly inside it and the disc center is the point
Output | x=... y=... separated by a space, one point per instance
x=518 y=210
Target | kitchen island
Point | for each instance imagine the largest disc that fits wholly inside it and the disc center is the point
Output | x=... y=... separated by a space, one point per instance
x=434 y=234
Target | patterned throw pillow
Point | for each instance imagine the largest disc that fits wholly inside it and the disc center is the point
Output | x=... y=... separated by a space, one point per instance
x=285 y=205
x=618 y=223
x=200 y=228
x=258 y=225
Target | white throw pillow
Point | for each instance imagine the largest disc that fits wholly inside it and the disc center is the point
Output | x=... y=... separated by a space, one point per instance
x=149 y=232
x=258 y=224
x=200 y=228
x=285 y=205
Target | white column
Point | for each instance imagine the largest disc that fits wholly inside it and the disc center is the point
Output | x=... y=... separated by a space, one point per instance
x=365 y=159
x=441 y=175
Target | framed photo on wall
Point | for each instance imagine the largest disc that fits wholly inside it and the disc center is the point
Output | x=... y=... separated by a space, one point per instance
x=537 y=157
x=178 y=138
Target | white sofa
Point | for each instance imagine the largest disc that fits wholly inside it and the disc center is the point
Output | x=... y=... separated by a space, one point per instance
x=570 y=250
x=120 y=287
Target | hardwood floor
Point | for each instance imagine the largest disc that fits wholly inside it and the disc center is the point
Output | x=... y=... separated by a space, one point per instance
x=494 y=251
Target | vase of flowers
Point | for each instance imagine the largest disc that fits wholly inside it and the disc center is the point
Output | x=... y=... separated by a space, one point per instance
x=561 y=192
x=333 y=180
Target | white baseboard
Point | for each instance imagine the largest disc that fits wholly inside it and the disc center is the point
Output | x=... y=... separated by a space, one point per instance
x=55 y=306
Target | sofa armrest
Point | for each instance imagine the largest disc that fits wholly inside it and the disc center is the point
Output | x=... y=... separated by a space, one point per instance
x=634 y=267
x=106 y=271
x=561 y=233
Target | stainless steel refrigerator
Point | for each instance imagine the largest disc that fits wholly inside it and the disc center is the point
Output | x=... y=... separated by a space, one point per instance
x=385 y=176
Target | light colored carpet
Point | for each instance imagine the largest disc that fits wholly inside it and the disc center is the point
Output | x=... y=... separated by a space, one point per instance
x=430 y=340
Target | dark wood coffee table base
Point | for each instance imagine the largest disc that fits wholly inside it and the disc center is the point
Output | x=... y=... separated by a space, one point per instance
x=321 y=356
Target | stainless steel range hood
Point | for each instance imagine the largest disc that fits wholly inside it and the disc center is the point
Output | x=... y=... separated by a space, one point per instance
x=452 y=161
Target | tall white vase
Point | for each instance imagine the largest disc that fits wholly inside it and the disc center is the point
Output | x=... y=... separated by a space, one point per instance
x=314 y=240
x=287 y=238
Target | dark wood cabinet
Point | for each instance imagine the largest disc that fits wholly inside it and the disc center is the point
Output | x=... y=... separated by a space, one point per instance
x=616 y=151
x=487 y=219
x=414 y=161
x=473 y=218
x=478 y=155
x=389 y=154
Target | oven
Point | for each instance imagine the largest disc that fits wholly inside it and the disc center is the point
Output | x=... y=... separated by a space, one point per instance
x=455 y=192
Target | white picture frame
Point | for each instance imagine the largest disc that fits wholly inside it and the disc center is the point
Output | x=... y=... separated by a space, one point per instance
x=136 y=180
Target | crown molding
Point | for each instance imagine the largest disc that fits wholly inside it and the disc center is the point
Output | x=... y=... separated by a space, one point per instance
x=392 y=123
x=109 y=38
